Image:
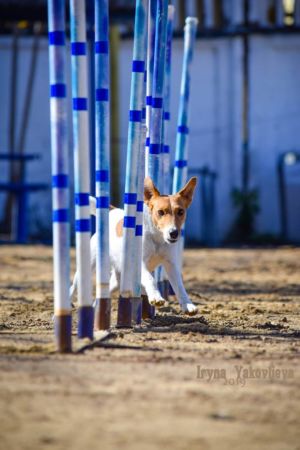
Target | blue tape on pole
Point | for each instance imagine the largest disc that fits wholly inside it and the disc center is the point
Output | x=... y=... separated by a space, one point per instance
x=135 y=116
x=181 y=163
x=58 y=90
x=80 y=104
x=129 y=222
x=183 y=129
x=143 y=113
x=82 y=199
x=138 y=66
x=139 y=230
x=145 y=76
x=78 y=48
x=102 y=176
x=56 y=38
x=82 y=225
x=130 y=198
x=149 y=100
x=60 y=180
x=147 y=141
x=154 y=149
x=140 y=206
x=102 y=202
x=102 y=95
x=85 y=322
x=167 y=115
x=157 y=102
x=101 y=47
x=60 y=215
x=166 y=149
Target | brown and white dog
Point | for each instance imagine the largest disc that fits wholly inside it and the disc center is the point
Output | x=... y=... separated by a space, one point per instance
x=164 y=216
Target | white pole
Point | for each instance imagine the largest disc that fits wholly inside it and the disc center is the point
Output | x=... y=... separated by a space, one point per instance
x=60 y=174
x=81 y=167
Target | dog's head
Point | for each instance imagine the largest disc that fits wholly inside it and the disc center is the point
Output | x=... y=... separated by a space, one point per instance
x=168 y=212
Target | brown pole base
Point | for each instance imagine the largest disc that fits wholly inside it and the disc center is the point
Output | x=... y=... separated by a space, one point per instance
x=124 y=313
x=166 y=290
x=148 y=311
x=63 y=333
x=102 y=314
x=136 y=305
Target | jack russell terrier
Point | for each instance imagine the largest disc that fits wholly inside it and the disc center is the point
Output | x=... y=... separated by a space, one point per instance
x=164 y=216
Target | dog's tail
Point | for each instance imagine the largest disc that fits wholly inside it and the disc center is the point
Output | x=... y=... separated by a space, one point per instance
x=93 y=206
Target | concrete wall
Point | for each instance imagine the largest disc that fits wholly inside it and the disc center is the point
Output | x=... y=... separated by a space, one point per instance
x=215 y=122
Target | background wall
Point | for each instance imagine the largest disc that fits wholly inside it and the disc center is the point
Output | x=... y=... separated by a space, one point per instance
x=215 y=122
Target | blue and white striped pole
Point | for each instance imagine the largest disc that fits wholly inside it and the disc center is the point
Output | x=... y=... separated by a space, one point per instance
x=102 y=127
x=156 y=118
x=137 y=302
x=165 y=163
x=60 y=175
x=166 y=119
x=130 y=242
x=81 y=167
x=152 y=8
x=181 y=152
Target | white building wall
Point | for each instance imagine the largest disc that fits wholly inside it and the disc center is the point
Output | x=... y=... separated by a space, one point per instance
x=215 y=120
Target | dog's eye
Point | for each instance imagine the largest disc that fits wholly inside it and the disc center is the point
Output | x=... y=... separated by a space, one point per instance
x=160 y=212
x=180 y=212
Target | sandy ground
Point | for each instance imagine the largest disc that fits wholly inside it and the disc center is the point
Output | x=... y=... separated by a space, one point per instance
x=227 y=378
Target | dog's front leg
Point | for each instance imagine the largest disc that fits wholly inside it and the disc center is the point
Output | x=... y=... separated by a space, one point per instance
x=176 y=281
x=150 y=286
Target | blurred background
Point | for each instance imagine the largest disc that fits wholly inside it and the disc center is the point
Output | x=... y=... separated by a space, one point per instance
x=244 y=117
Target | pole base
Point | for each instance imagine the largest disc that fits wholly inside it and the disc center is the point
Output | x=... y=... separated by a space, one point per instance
x=148 y=311
x=167 y=284
x=63 y=333
x=171 y=291
x=124 y=313
x=136 y=305
x=102 y=314
x=85 y=322
x=163 y=287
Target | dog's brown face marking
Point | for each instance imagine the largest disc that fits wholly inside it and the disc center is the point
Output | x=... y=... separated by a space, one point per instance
x=168 y=212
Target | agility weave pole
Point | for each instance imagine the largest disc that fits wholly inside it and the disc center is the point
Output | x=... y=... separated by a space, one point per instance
x=60 y=175
x=163 y=282
x=102 y=127
x=155 y=152
x=148 y=311
x=81 y=167
x=156 y=116
x=129 y=278
x=181 y=151
x=152 y=9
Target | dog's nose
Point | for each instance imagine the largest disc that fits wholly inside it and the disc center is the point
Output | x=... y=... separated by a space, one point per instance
x=173 y=234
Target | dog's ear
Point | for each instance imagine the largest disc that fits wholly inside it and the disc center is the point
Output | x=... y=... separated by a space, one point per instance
x=150 y=190
x=187 y=192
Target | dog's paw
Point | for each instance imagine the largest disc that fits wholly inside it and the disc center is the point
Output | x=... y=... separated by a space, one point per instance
x=158 y=302
x=189 y=308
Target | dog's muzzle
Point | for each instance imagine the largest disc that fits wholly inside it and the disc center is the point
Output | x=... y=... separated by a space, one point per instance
x=173 y=235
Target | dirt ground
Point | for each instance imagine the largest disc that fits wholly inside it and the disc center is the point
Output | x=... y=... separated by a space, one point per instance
x=227 y=378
